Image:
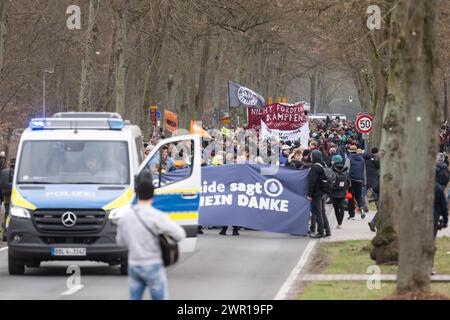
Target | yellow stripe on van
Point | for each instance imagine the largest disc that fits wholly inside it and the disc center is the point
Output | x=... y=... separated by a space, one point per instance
x=161 y=192
x=121 y=201
x=19 y=201
x=183 y=216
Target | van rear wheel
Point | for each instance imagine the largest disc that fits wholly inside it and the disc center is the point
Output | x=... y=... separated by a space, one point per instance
x=15 y=267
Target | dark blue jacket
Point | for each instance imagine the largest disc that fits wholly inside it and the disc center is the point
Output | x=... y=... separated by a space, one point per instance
x=357 y=167
x=283 y=159
x=372 y=169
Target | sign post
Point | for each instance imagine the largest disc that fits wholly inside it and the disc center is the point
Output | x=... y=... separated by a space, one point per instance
x=153 y=110
x=364 y=125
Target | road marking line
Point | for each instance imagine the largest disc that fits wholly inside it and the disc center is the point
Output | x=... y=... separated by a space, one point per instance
x=3 y=249
x=72 y=290
x=282 y=293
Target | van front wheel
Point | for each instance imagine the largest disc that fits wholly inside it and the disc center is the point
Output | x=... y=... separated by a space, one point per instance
x=124 y=269
x=15 y=267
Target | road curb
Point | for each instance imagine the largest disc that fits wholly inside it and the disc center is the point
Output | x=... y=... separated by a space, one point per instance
x=293 y=276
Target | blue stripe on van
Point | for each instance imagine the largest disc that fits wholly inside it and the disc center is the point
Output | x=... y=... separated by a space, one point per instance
x=175 y=203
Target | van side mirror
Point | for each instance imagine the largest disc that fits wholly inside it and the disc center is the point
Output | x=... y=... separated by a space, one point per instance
x=6 y=180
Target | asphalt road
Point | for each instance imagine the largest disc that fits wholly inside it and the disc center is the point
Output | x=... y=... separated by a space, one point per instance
x=254 y=265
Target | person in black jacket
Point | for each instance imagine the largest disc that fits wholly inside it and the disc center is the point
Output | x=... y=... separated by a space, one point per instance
x=306 y=163
x=376 y=191
x=442 y=173
x=340 y=188
x=315 y=195
x=357 y=169
x=440 y=210
x=372 y=172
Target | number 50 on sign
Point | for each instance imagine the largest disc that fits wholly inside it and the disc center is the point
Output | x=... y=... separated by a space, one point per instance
x=364 y=123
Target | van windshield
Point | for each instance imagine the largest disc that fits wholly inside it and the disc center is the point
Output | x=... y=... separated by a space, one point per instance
x=74 y=162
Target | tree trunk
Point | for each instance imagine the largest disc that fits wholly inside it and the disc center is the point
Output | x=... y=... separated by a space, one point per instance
x=312 y=96
x=151 y=73
x=191 y=89
x=89 y=56
x=3 y=22
x=201 y=90
x=377 y=60
x=109 y=86
x=385 y=243
x=361 y=81
x=121 y=42
x=417 y=61
x=218 y=62
x=445 y=107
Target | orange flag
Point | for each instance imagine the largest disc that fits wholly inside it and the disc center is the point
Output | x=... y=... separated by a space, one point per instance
x=171 y=121
x=197 y=129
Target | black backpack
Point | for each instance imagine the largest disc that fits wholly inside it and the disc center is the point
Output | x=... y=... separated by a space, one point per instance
x=442 y=176
x=328 y=179
x=341 y=181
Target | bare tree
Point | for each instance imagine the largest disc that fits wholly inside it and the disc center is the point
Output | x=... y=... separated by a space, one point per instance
x=3 y=21
x=121 y=44
x=89 y=56
x=414 y=45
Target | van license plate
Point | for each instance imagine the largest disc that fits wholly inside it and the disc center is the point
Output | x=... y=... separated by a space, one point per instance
x=76 y=252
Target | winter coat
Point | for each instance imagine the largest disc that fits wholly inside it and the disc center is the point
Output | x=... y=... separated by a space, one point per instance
x=283 y=159
x=376 y=186
x=372 y=169
x=316 y=174
x=440 y=205
x=357 y=167
x=442 y=174
x=340 y=169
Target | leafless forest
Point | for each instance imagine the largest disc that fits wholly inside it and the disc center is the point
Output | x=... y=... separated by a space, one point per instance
x=179 y=55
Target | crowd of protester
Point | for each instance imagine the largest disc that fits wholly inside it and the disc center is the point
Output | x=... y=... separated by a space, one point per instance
x=343 y=171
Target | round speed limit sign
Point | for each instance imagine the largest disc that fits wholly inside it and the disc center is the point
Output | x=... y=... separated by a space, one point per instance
x=364 y=123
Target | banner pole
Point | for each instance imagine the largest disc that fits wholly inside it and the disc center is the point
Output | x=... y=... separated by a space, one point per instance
x=229 y=107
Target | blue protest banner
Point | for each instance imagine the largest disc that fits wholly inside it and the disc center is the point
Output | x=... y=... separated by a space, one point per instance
x=238 y=195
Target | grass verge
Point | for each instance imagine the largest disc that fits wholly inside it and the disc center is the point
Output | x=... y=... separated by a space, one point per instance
x=356 y=290
x=353 y=257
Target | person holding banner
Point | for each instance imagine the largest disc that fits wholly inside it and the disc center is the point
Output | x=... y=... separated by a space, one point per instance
x=315 y=195
x=285 y=150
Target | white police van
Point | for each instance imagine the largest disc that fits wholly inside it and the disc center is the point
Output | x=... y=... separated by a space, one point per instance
x=74 y=177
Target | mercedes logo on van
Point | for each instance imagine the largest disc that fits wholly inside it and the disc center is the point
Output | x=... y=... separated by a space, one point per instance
x=69 y=219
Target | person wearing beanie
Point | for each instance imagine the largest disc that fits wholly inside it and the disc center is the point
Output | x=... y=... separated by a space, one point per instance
x=284 y=155
x=340 y=188
x=145 y=265
x=328 y=159
x=305 y=162
x=316 y=195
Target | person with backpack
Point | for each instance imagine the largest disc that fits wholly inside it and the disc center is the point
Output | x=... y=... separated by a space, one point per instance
x=316 y=192
x=145 y=264
x=357 y=176
x=339 y=188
